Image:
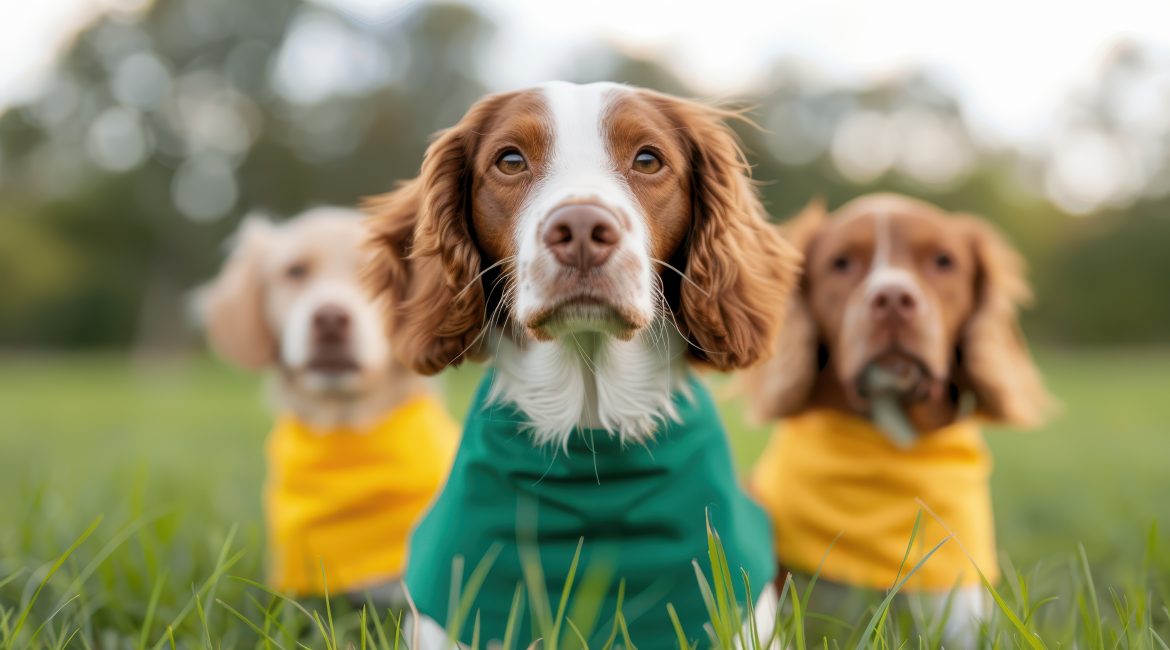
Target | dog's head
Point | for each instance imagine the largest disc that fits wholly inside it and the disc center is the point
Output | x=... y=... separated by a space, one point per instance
x=568 y=208
x=897 y=294
x=289 y=296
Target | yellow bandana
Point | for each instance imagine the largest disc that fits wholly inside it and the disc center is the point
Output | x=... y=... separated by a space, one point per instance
x=346 y=500
x=826 y=473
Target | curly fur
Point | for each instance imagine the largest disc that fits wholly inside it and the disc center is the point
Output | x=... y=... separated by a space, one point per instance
x=994 y=357
x=741 y=270
x=426 y=264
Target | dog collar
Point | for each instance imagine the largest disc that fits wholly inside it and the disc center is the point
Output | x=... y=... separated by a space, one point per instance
x=340 y=503
x=844 y=499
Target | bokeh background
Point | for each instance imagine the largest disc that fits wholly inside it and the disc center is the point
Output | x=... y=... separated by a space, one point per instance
x=134 y=135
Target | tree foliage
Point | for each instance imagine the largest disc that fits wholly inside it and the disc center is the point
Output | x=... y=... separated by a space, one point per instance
x=158 y=131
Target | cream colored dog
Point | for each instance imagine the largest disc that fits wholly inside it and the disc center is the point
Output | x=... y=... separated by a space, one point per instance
x=360 y=445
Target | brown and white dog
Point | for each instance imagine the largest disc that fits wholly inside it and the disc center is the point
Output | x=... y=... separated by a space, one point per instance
x=904 y=331
x=360 y=446
x=591 y=239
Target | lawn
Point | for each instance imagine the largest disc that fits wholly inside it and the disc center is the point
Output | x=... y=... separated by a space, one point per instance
x=163 y=460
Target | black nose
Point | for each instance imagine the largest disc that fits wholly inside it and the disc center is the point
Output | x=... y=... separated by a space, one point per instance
x=582 y=236
x=893 y=302
x=331 y=324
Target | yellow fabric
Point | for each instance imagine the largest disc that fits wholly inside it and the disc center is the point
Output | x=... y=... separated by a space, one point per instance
x=346 y=500
x=826 y=473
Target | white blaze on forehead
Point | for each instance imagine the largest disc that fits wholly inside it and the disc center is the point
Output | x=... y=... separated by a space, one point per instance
x=580 y=167
x=882 y=272
x=882 y=245
x=580 y=160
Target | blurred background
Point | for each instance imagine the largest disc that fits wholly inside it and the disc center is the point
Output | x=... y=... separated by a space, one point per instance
x=134 y=135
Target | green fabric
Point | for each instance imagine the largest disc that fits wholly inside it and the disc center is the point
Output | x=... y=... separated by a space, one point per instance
x=641 y=511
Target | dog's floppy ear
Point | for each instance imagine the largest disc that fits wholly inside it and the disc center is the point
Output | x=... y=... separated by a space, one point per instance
x=232 y=305
x=993 y=357
x=426 y=267
x=739 y=270
x=393 y=217
x=782 y=385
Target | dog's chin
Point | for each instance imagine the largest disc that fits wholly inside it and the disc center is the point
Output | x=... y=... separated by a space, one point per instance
x=332 y=374
x=584 y=315
x=333 y=383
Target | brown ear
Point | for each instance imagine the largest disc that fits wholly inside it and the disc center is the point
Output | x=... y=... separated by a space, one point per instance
x=993 y=356
x=426 y=265
x=393 y=217
x=782 y=385
x=232 y=305
x=739 y=270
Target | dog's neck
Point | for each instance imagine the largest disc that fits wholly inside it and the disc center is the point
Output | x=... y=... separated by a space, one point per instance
x=358 y=410
x=592 y=380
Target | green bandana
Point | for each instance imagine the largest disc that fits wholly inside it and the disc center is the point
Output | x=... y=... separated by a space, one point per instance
x=641 y=511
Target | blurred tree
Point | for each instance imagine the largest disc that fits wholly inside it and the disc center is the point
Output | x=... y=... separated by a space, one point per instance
x=160 y=129
x=1109 y=162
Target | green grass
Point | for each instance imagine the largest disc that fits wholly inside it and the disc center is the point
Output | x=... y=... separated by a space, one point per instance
x=130 y=512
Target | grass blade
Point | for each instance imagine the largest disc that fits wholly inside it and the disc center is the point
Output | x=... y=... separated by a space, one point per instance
x=20 y=620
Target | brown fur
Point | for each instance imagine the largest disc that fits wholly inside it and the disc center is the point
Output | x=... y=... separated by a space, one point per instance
x=994 y=355
x=740 y=270
x=425 y=257
x=980 y=320
x=437 y=234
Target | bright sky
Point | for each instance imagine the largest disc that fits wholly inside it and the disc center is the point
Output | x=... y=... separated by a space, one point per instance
x=1013 y=62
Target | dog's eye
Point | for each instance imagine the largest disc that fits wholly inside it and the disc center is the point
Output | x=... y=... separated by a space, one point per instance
x=944 y=262
x=842 y=263
x=511 y=162
x=297 y=271
x=647 y=162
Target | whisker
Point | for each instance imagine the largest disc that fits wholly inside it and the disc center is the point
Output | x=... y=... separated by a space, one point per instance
x=584 y=356
x=657 y=335
x=481 y=274
x=485 y=324
x=504 y=300
x=685 y=338
x=670 y=311
x=681 y=275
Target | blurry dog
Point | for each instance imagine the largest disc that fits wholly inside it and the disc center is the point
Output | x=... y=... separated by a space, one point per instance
x=360 y=446
x=904 y=335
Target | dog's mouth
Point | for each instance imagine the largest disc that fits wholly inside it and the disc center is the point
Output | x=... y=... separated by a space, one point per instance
x=895 y=372
x=583 y=313
x=890 y=383
x=332 y=360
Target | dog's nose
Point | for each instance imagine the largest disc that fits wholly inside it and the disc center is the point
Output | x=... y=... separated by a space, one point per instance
x=331 y=324
x=581 y=235
x=893 y=301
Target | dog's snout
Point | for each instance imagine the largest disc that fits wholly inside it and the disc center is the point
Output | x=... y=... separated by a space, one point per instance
x=331 y=323
x=893 y=301
x=582 y=236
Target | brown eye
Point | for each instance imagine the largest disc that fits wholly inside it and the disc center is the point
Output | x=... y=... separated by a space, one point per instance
x=647 y=162
x=511 y=162
x=297 y=271
x=842 y=263
x=944 y=262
